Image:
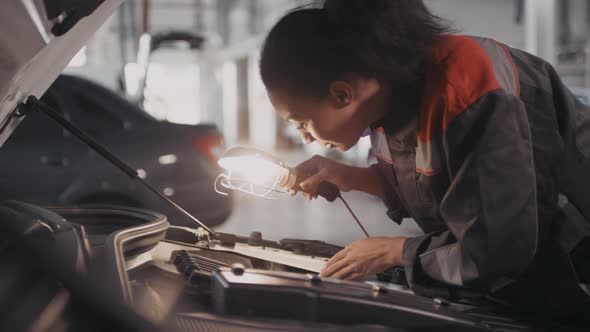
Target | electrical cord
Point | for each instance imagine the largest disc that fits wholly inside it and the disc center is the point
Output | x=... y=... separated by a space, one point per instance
x=353 y=215
x=330 y=192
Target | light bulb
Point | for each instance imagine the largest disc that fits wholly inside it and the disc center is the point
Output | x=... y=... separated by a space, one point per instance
x=259 y=171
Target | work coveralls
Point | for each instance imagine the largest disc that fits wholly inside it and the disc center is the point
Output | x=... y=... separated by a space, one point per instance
x=495 y=169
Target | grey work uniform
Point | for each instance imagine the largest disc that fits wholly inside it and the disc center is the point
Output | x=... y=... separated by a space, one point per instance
x=495 y=170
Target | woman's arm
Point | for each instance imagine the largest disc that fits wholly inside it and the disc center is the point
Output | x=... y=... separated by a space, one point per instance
x=490 y=207
x=367 y=180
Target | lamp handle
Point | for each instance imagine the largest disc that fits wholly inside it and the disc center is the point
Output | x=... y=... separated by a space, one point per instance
x=329 y=191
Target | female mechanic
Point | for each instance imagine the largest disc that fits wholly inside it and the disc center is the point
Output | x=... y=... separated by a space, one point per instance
x=480 y=143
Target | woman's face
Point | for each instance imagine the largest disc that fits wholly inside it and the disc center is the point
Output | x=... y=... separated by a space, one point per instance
x=337 y=120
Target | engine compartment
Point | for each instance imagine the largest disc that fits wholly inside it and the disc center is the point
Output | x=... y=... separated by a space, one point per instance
x=113 y=267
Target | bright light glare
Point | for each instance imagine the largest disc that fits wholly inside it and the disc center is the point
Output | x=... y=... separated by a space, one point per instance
x=168 y=191
x=133 y=75
x=172 y=87
x=141 y=173
x=252 y=169
x=230 y=101
x=168 y=159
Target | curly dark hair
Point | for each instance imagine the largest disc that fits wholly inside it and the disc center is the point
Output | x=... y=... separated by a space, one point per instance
x=384 y=39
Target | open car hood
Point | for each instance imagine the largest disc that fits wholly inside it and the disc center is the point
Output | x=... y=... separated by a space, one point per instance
x=38 y=38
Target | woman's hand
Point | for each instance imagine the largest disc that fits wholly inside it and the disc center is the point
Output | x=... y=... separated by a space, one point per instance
x=365 y=257
x=318 y=169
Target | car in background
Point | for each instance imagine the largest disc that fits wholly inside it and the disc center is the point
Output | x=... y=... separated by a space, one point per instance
x=179 y=160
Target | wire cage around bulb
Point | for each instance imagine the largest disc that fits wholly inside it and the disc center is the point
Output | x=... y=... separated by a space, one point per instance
x=254 y=172
x=233 y=181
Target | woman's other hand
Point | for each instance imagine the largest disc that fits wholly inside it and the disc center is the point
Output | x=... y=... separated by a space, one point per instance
x=365 y=257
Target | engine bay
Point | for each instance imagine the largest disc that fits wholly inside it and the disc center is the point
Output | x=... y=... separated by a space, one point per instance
x=129 y=265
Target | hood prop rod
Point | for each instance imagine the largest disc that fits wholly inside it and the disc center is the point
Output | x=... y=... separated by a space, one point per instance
x=33 y=103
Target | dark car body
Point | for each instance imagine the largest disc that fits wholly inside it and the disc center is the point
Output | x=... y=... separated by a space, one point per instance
x=41 y=163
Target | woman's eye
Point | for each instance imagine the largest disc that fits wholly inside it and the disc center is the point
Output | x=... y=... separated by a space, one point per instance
x=299 y=125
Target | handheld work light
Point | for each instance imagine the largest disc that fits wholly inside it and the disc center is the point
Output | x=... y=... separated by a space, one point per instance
x=262 y=175
x=254 y=172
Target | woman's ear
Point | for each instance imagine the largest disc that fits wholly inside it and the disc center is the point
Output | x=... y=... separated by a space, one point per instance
x=341 y=93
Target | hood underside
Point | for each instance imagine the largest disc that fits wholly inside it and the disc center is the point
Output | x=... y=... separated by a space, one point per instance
x=31 y=58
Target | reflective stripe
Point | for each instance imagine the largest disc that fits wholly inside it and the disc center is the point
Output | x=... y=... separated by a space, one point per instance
x=451 y=271
x=428 y=154
x=506 y=73
x=428 y=157
x=380 y=146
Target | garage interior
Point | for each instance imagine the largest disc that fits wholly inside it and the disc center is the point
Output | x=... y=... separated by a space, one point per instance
x=146 y=175
x=219 y=83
